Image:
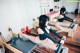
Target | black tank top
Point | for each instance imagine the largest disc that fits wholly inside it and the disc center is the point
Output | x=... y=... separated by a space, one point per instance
x=61 y=19
x=41 y=36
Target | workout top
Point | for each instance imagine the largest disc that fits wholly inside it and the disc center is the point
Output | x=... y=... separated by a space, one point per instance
x=42 y=36
x=61 y=19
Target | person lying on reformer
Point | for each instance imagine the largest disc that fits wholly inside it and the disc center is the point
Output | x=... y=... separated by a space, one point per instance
x=62 y=26
x=70 y=22
x=43 y=37
x=66 y=18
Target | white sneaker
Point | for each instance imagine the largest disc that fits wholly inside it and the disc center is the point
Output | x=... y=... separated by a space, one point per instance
x=62 y=41
x=74 y=20
x=64 y=38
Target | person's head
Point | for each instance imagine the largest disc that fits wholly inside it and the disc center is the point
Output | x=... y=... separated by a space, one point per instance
x=43 y=20
x=51 y=10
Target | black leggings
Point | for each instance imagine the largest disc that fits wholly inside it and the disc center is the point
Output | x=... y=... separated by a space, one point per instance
x=68 y=19
x=56 y=34
x=48 y=36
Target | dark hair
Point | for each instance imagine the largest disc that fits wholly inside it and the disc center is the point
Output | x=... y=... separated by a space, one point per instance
x=42 y=21
x=51 y=10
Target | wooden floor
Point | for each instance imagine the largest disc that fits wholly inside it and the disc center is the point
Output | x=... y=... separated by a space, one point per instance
x=74 y=46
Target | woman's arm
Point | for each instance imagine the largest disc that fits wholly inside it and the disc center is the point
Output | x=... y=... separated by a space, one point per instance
x=47 y=36
x=68 y=19
x=54 y=32
x=51 y=38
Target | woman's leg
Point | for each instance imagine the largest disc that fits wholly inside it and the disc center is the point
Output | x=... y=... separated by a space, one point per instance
x=58 y=25
x=68 y=19
x=31 y=38
x=48 y=44
x=70 y=31
x=65 y=24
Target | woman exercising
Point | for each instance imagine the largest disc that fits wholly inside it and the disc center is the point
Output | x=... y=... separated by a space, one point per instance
x=64 y=26
x=44 y=38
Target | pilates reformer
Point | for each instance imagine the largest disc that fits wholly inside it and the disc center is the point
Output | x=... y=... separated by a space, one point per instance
x=71 y=26
x=25 y=46
x=29 y=46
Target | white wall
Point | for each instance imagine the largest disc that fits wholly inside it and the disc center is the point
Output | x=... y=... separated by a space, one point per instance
x=9 y=16
x=46 y=5
x=79 y=7
x=28 y=9
x=22 y=11
x=59 y=4
x=33 y=10
x=70 y=6
x=18 y=14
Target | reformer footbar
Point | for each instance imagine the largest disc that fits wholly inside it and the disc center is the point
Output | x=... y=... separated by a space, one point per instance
x=71 y=25
x=3 y=39
x=15 y=38
x=61 y=49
